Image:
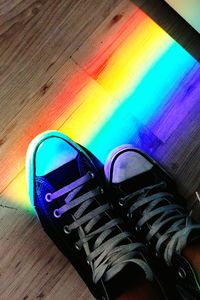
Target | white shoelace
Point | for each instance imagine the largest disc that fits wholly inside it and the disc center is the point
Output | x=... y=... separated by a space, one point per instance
x=158 y=204
x=110 y=253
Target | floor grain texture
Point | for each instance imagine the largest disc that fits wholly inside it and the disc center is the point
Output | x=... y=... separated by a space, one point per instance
x=43 y=46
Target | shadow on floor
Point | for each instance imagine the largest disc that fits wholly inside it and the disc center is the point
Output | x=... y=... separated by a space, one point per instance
x=173 y=24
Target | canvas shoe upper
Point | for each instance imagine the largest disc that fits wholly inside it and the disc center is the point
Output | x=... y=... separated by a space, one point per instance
x=146 y=197
x=66 y=187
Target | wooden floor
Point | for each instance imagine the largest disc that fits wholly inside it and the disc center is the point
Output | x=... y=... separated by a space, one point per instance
x=45 y=45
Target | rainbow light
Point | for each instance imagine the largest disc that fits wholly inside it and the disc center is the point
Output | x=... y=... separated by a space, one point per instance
x=121 y=94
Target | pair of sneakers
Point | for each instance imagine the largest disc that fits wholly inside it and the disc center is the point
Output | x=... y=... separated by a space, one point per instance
x=122 y=225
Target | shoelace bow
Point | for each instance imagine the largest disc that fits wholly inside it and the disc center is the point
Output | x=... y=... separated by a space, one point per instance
x=109 y=255
x=158 y=204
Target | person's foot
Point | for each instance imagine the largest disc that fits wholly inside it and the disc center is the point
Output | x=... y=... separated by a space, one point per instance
x=146 y=197
x=66 y=187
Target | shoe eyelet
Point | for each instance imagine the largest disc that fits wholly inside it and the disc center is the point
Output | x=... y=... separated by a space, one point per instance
x=88 y=261
x=137 y=228
x=66 y=229
x=57 y=213
x=91 y=174
x=182 y=273
x=148 y=243
x=100 y=189
x=121 y=202
x=129 y=215
x=48 y=197
x=77 y=247
x=157 y=254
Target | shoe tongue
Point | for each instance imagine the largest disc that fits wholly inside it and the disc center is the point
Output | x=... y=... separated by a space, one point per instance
x=138 y=182
x=67 y=173
x=128 y=278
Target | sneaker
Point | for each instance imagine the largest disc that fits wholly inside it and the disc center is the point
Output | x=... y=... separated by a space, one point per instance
x=67 y=189
x=146 y=197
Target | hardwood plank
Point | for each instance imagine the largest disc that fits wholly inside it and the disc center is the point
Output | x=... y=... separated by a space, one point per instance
x=34 y=268
x=173 y=24
x=183 y=99
x=36 y=45
x=180 y=155
x=40 y=52
x=124 y=74
x=118 y=63
x=69 y=91
x=106 y=38
x=24 y=124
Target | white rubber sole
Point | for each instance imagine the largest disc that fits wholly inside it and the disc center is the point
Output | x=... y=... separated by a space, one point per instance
x=127 y=147
x=111 y=158
x=30 y=156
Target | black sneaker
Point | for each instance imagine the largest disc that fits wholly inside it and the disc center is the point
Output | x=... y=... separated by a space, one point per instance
x=66 y=187
x=148 y=200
